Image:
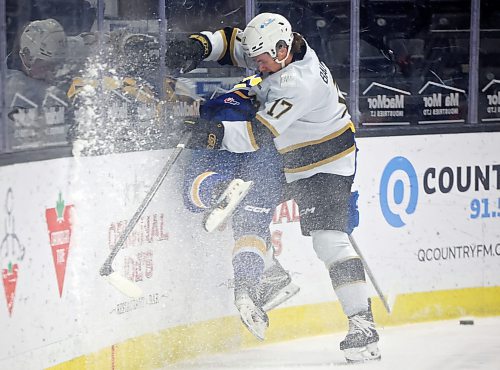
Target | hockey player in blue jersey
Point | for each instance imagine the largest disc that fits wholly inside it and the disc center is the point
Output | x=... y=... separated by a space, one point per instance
x=245 y=187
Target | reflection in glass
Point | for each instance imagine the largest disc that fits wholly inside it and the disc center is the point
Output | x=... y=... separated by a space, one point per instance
x=413 y=65
x=489 y=63
x=414 y=62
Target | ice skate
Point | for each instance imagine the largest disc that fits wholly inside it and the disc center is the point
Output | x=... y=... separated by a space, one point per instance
x=360 y=344
x=254 y=318
x=226 y=204
x=274 y=288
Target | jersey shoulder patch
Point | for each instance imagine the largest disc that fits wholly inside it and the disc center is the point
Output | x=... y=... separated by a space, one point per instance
x=289 y=79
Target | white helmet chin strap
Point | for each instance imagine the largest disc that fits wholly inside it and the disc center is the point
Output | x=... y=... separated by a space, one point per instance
x=282 y=61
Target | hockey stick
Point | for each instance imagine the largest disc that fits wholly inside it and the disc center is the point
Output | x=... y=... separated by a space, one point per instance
x=121 y=283
x=370 y=274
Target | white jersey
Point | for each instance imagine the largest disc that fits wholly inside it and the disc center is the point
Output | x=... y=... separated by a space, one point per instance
x=303 y=108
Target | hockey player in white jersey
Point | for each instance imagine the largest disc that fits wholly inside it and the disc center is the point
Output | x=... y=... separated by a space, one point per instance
x=303 y=109
x=37 y=107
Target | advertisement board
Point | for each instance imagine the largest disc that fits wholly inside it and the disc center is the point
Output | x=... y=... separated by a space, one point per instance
x=430 y=210
x=429 y=214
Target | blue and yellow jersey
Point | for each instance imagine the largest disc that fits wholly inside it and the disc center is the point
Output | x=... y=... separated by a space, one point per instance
x=236 y=110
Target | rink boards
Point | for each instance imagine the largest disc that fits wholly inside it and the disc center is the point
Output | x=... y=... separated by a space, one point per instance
x=429 y=230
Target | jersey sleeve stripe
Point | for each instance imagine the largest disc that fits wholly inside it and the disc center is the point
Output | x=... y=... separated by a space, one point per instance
x=321 y=162
x=253 y=142
x=240 y=94
x=224 y=41
x=268 y=125
x=232 y=46
x=227 y=56
x=333 y=135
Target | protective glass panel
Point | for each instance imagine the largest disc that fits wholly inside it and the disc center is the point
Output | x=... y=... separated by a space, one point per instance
x=489 y=62
x=115 y=94
x=3 y=68
x=326 y=27
x=188 y=16
x=38 y=73
x=414 y=58
x=94 y=77
x=185 y=17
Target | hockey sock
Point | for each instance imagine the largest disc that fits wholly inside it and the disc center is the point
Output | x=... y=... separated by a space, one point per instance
x=349 y=282
x=248 y=268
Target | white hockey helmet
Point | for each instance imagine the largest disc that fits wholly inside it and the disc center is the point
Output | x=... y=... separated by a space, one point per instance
x=263 y=33
x=44 y=40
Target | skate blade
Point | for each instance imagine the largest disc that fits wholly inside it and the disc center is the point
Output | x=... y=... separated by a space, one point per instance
x=368 y=353
x=218 y=216
x=258 y=329
x=281 y=296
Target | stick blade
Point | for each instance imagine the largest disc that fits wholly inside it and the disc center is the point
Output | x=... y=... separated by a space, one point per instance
x=124 y=285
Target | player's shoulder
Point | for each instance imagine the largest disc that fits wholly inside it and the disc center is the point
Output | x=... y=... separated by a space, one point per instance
x=18 y=80
x=293 y=81
x=12 y=74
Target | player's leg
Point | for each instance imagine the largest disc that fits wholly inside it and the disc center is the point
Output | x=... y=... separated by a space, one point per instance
x=349 y=282
x=211 y=186
x=275 y=286
x=261 y=283
x=324 y=202
x=226 y=203
x=250 y=257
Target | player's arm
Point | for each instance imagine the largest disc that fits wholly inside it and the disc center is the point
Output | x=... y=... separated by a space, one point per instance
x=269 y=122
x=234 y=136
x=245 y=136
x=223 y=46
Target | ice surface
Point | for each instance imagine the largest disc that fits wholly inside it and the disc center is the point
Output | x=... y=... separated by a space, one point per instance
x=444 y=345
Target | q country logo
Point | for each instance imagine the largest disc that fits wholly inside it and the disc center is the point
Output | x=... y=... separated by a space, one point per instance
x=398 y=191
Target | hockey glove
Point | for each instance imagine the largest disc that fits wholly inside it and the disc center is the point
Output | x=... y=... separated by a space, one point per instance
x=140 y=44
x=185 y=55
x=206 y=134
x=140 y=52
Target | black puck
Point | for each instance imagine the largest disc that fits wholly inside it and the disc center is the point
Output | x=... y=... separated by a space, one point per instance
x=466 y=322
